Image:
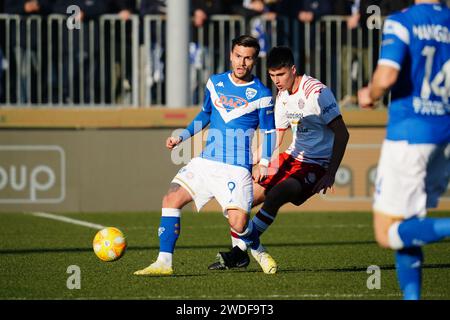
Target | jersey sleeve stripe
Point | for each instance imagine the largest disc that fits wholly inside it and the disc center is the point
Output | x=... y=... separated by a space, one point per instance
x=311 y=84
x=389 y=63
x=397 y=29
x=212 y=91
x=316 y=86
x=306 y=82
x=210 y=86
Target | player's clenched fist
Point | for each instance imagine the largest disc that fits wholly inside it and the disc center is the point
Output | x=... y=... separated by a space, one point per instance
x=364 y=99
x=172 y=142
x=260 y=173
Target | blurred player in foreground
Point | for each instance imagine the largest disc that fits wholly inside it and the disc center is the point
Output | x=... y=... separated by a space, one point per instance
x=235 y=104
x=413 y=169
x=310 y=163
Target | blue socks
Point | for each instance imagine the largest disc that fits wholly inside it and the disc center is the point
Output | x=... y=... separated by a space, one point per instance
x=169 y=229
x=250 y=236
x=408 y=263
x=262 y=220
x=410 y=235
x=416 y=232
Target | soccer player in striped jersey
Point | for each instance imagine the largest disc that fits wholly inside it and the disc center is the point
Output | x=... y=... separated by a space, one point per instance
x=309 y=165
x=236 y=103
x=414 y=166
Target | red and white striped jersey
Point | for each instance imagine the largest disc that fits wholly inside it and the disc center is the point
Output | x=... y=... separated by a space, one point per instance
x=308 y=111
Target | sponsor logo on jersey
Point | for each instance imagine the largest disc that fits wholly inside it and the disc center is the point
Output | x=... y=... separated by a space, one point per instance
x=294 y=116
x=301 y=129
x=329 y=108
x=230 y=102
x=250 y=93
x=220 y=84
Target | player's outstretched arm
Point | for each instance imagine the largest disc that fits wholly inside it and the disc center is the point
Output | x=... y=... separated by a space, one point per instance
x=341 y=137
x=172 y=142
x=197 y=125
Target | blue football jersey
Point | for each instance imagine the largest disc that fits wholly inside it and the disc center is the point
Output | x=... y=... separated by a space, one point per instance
x=417 y=42
x=236 y=112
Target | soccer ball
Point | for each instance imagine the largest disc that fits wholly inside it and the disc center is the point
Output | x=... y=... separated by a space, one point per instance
x=109 y=244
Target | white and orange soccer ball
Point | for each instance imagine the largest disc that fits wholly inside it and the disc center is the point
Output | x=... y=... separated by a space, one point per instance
x=109 y=244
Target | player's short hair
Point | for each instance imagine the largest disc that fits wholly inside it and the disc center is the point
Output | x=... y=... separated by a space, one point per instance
x=246 y=41
x=280 y=57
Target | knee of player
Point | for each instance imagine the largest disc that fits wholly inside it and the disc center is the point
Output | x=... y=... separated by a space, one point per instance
x=238 y=225
x=382 y=239
x=386 y=231
x=170 y=200
x=273 y=198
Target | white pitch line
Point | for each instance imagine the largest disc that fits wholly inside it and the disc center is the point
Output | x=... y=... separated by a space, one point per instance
x=67 y=220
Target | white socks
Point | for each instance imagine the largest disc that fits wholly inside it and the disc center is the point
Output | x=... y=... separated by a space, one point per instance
x=258 y=250
x=169 y=212
x=165 y=258
x=395 y=242
x=238 y=242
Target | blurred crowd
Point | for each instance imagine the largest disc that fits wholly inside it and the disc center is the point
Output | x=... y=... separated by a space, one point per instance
x=299 y=12
x=303 y=10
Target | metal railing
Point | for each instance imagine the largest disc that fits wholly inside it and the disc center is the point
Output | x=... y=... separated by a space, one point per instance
x=111 y=62
x=49 y=64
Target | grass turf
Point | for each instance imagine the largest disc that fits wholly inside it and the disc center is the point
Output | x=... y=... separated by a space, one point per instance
x=320 y=256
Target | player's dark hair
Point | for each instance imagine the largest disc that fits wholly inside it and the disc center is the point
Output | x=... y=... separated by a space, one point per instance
x=246 y=41
x=280 y=57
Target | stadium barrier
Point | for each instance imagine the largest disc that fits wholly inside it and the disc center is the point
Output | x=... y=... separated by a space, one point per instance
x=110 y=62
x=120 y=170
x=49 y=62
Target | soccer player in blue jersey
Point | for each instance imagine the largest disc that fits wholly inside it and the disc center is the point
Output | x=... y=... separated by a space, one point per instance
x=414 y=165
x=235 y=104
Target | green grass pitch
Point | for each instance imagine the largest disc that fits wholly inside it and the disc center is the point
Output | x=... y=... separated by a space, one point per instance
x=320 y=256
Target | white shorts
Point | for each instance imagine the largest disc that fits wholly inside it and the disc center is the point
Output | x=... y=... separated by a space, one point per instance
x=410 y=178
x=230 y=185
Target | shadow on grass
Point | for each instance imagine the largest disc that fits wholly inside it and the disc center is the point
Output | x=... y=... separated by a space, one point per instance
x=193 y=247
x=349 y=269
x=361 y=269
